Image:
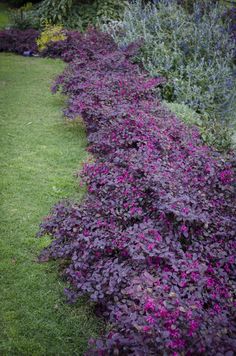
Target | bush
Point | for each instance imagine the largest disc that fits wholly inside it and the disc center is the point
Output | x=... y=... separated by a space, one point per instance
x=110 y=9
x=76 y=46
x=194 y=52
x=54 y=11
x=24 y=17
x=185 y=113
x=51 y=33
x=18 y=41
x=153 y=242
x=80 y=16
x=211 y=132
x=72 y=15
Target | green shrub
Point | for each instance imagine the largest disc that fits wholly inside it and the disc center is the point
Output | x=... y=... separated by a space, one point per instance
x=71 y=14
x=24 y=17
x=55 y=11
x=211 y=133
x=97 y=11
x=192 y=50
x=185 y=113
x=80 y=15
x=110 y=9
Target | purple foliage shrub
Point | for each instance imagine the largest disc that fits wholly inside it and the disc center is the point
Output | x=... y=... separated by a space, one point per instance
x=153 y=243
x=86 y=46
x=18 y=41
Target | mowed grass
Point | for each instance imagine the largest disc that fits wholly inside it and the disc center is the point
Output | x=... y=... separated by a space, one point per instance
x=4 y=16
x=39 y=153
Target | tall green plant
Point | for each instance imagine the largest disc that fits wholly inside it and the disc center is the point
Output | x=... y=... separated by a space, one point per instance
x=55 y=11
x=24 y=17
x=101 y=11
x=79 y=14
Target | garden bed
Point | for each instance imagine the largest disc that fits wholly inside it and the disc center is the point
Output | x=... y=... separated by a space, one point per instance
x=152 y=243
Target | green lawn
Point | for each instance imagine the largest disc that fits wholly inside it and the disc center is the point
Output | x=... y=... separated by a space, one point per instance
x=4 y=16
x=39 y=153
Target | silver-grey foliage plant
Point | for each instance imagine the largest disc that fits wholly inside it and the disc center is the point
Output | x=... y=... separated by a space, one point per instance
x=193 y=51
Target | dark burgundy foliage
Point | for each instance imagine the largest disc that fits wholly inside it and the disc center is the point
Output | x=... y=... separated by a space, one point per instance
x=76 y=45
x=18 y=41
x=153 y=243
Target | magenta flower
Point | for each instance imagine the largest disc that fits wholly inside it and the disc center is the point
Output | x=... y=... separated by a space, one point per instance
x=150 y=320
x=193 y=326
x=149 y=305
x=146 y=328
x=226 y=176
x=183 y=228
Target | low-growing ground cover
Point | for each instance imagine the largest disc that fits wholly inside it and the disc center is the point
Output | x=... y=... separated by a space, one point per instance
x=18 y=41
x=38 y=156
x=153 y=242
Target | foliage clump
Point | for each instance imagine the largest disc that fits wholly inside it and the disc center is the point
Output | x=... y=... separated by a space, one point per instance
x=55 y=12
x=51 y=33
x=72 y=15
x=24 y=17
x=153 y=242
x=101 y=11
x=19 y=41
